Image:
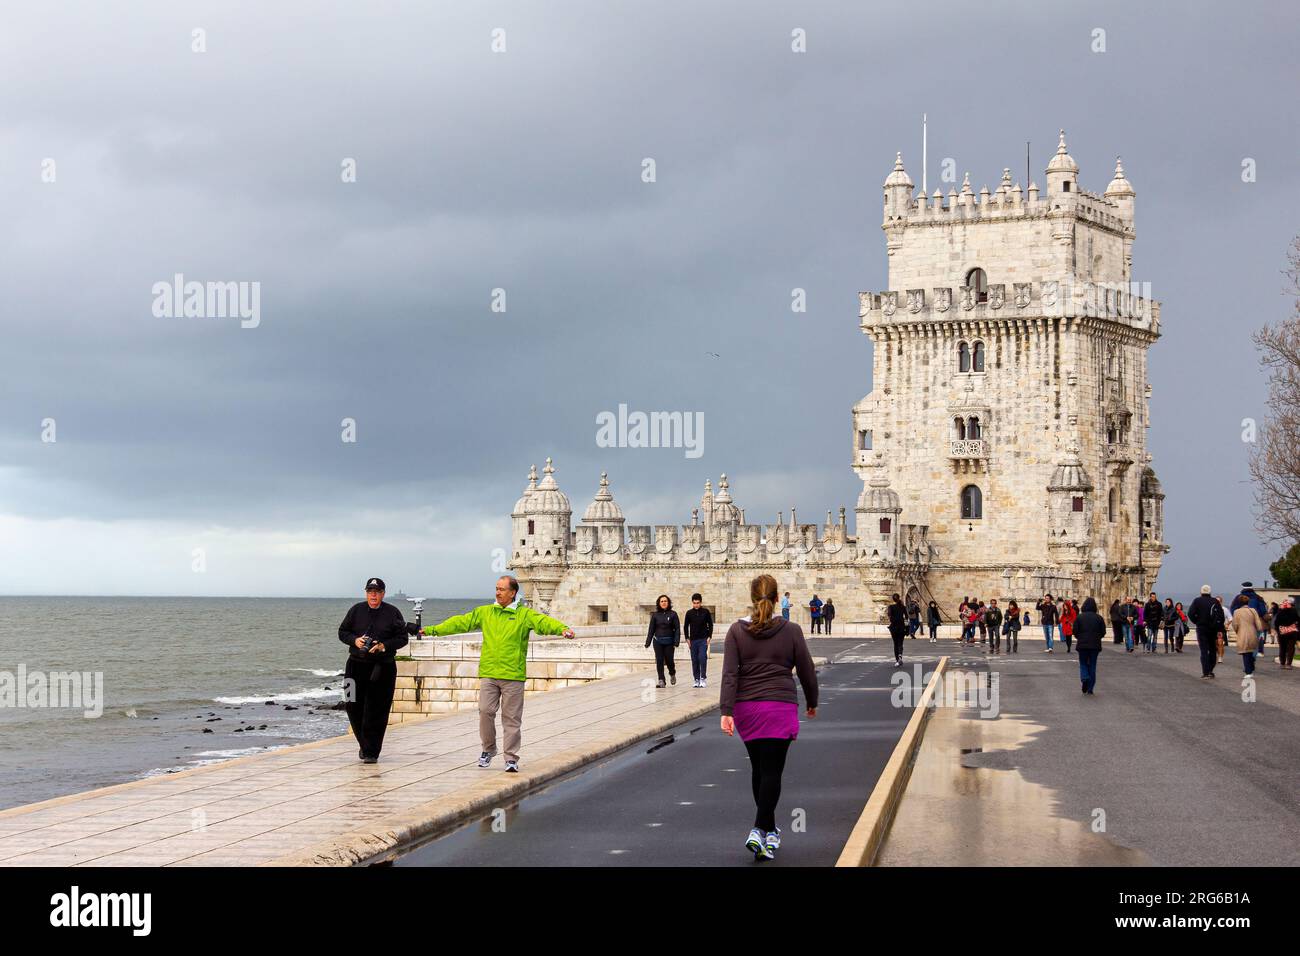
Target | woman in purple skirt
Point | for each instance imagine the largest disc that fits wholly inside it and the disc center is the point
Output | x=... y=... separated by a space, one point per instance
x=761 y=703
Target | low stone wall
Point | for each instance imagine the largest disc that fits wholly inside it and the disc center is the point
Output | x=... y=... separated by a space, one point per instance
x=437 y=676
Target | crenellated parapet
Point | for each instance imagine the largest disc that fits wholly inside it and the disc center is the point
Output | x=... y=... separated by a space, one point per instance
x=937 y=308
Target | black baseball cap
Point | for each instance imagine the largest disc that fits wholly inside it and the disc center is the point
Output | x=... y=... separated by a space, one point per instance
x=375 y=584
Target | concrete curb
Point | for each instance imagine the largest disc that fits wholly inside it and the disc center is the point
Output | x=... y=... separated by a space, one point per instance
x=873 y=825
x=394 y=833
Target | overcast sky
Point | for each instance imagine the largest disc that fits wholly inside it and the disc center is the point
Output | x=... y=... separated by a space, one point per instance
x=522 y=170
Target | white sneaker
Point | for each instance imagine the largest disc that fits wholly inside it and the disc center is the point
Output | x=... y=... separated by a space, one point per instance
x=704 y=682
x=757 y=845
x=774 y=839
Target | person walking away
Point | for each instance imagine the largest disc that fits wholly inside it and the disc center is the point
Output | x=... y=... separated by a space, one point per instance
x=1069 y=613
x=828 y=615
x=665 y=634
x=1116 y=622
x=374 y=632
x=1089 y=630
x=1011 y=627
x=1287 y=622
x=897 y=627
x=1046 y=608
x=933 y=619
x=1260 y=607
x=698 y=628
x=760 y=702
x=1245 y=627
x=815 y=606
x=502 y=664
x=1170 y=621
x=1207 y=617
x=993 y=618
x=785 y=605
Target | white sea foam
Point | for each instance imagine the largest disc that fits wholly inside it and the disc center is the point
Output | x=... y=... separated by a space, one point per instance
x=318 y=672
x=313 y=693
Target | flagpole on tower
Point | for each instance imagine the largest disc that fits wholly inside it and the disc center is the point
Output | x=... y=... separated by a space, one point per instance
x=924 y=165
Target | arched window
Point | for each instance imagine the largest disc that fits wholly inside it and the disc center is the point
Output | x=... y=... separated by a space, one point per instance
x=960 y=423
x=978 y=364
x=1113 y=508
x=972 y=502
x=963 y=357
x=973 y=428
x=884 y=525
x=977 y=280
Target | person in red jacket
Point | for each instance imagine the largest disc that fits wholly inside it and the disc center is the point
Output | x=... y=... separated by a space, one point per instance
x=1069 y=614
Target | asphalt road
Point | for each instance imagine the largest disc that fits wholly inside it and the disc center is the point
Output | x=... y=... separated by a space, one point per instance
x=685 y=799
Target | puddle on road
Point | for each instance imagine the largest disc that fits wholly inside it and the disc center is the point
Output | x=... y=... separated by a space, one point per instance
x=986 y=815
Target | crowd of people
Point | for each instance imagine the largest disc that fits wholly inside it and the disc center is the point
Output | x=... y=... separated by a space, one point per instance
x=766 y=658
x=1149 y=626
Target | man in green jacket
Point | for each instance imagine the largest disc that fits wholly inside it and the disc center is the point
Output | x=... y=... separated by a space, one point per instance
x=502 y=663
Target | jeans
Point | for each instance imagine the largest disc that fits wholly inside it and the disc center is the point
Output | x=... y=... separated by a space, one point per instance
x=664 y=655
x=1128 y=635
x=1047 y=633
x=912 y=627
x=699 y=659
x=766 y=764
x=785 y=613
x=1013 y=639
x=1248 y=661
x=828 y=621
x=1169 y=637
x=1088 y=669
x=817 y=624
x=934 y=631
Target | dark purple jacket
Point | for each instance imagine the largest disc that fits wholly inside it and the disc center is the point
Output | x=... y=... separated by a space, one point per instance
x=759 y=666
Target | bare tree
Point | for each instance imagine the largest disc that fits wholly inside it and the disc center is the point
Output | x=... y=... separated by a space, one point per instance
x=1275 y=459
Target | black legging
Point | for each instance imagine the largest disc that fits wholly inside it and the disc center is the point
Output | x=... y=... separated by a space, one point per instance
x=898 y=643
x=766 y=763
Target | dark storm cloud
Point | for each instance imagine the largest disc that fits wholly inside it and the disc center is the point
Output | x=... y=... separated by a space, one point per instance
x=522 y=171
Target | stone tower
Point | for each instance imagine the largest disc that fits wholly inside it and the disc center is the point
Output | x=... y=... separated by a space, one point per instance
x=1010 y=399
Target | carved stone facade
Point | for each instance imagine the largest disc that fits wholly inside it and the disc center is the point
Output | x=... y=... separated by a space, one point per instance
x=1006 y=427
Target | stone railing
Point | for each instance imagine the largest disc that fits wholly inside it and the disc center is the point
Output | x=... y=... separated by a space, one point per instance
x=968 y=448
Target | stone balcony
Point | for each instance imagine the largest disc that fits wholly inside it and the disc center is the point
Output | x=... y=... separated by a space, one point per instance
x=968 y=448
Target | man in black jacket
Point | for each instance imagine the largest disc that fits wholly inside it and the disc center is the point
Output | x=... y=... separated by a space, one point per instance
x=374 y=632
x=1207 y=615
x=993 y=619
x=1153 y=616
x=698 y=628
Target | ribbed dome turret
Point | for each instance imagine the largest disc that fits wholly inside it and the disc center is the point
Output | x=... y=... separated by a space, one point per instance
x=1069 y=474
x=899 y=175
x=724 y=510
x=603 y=508
x=1119 y=186
x=547 y=498
x=1062 y=161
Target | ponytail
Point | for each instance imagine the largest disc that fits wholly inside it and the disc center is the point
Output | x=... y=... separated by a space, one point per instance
x=762 y=594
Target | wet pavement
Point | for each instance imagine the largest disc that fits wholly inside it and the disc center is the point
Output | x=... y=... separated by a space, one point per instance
x=685 y=800
x=1158 y=767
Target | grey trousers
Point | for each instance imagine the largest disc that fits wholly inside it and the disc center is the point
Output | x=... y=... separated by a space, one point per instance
x=508 y=695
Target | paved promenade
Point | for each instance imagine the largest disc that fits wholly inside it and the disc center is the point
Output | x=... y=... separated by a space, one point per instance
x=689 y=802
x=316 y=804
x=1158 y=768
